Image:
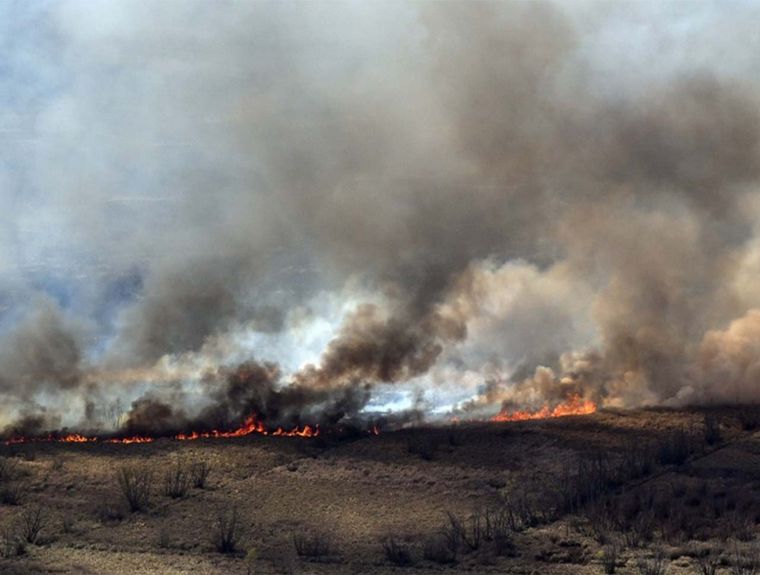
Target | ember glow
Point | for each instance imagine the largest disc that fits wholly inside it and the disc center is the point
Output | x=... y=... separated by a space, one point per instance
x=575 y=405
x=252 y=425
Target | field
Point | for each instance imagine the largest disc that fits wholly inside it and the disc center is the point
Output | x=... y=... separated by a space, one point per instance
x=616 y=491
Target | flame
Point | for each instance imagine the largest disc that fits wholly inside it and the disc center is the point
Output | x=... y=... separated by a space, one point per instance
x=574 y=405
x=252 y=425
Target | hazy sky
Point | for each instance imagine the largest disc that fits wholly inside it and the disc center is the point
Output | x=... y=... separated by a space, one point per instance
x=201 y=183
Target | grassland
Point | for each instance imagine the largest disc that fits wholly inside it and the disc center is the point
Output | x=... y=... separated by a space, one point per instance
x=617 y=491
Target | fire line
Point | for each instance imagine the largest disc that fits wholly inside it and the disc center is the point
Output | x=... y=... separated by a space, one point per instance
x=252 y=425
x=574 y=405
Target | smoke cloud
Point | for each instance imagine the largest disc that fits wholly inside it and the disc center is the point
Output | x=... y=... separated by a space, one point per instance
x=309 y=211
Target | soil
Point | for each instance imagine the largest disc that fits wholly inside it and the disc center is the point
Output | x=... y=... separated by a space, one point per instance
x=355 y=493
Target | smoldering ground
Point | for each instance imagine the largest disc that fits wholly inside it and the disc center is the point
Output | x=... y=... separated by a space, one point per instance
x=511 y=198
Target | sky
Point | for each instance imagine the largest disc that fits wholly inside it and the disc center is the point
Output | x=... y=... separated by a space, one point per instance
x=449 y=205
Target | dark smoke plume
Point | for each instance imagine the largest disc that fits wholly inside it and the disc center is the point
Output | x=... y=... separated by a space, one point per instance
x=470 y=203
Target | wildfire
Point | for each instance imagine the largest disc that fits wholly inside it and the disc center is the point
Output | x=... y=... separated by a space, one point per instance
x=574 y=405
x=252 y=425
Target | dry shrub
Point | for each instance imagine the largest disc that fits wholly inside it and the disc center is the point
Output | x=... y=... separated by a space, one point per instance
x=707 y=562
x=109 y=511
x=8 y=468
x=749 y=417
x=33 y=520
x=438 y=548
x=177 y=481
x=135 y=483
x=199 y=472
x=423 y=445
x=12 y=493
x=226 y=536
x=712 y=429
x=655 y=565
x=745 y=561
x=12 y=544
x=675 y=448
x=610 y=555
x=312 y=544
x=396 y=552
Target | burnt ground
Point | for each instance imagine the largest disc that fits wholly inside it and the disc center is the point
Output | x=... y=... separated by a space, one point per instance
x=568 y=494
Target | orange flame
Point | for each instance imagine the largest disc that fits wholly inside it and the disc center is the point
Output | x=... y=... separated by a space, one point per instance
x=574 y=405
x=250 y=426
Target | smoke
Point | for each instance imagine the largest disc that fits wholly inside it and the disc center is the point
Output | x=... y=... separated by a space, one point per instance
x=299 y=209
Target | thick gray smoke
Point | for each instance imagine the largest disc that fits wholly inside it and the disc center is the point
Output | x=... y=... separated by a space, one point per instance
x=315 y=209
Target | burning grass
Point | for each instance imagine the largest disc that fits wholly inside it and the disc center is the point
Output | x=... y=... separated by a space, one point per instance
x=252 y=425
x=530 y=496
x=574 y=405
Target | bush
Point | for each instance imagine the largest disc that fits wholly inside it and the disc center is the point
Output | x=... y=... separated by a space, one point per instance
x=707 y=562
x=749 y=418
x=199 y=472
x=312 y=545
x=422 y=445
x=397 y=553
x=32 y=522
x=437 y=548
x=11 y=493
x=135 y=484
x=176 y=482
x=67 y=523
x=108 y=511
x=496 y=528
x=13 y=545
x=468 y=531
x=675 y=449
x=7 y=468
x=746 y=561
x=227 y=533
x=610 y=554
x=652 y=565
x=712 y=429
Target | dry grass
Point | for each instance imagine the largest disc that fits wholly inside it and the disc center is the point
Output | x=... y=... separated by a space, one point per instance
x=578 y=495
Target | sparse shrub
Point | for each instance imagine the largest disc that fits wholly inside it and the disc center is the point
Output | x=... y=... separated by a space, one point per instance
x=745 y=561
x=226 y=536
x=312 y=545
x=250 y=560
x=397 y=553
x=176 y=482
x=637 y=460
x=33 y=520
x=656 y=565
x=13 y=545
x=675 y=449
x=468 y=531
x=67 y=523
x=12 y=493
x=135 y=484
x=56 y=464
x=109 y=511
x=707 y=562
x=7 y=468
x=199 y=472
x=163 y=538
x=610 y=554
x=496 y=528
x=437 y=548
x=712 y=429
x=638 y=530
x=534 y=503
x=749 y=418
x=423 y=445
